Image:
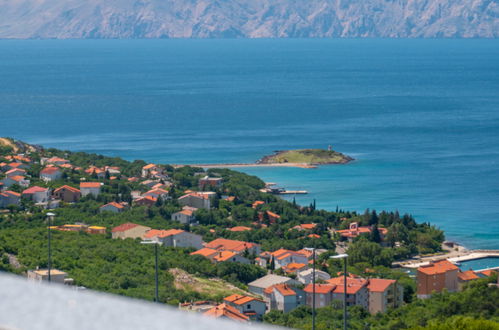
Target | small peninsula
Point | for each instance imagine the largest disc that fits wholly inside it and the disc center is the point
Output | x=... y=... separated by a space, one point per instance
x=306 y=156
x=303 y=158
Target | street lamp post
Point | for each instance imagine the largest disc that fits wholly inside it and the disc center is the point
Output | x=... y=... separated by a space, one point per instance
x=156 y=295
x=344 y=256
x=313 y=288
x=50 y=216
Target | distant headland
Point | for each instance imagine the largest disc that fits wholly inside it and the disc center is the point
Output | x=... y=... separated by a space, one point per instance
x=303 y=158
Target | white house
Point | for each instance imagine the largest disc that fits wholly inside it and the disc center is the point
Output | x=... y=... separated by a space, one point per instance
x=17 y=179
x=284 y=297
x=112 y=207
x=283 y=257
x=175 y=238
x=305 y=276
x=15 y=171
x=9 y=198
x=199 y=200
x=50 y=174
x=252 y=307
x=37 y=194
x=259 y=285
x=92 y=188
x=186 y=216
x=156 y=193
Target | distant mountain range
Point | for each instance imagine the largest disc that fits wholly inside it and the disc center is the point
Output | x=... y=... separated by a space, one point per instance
x=248 y=18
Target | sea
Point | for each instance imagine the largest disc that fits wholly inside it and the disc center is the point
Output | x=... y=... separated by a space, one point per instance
x=420 y=116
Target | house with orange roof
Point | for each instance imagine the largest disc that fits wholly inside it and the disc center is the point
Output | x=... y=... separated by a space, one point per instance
x=98 y=172
x=225 y=311
x=50 y=173
x=67 y=194
x=221 y=255
x=435 y=277
x=259 y=285
x=185 y=216
x=305 y=226
x=54 y=160
x=239 y=229
x=90 y=188
x=252 y=307
x=129 y=230
x=238 y=247
x=323 y=294
x=15 y=165
x=293 y=267
x=357 y=290
x=147 y=201
x=15 y=171
x=9 y=198
x=16 y=179
x=113 y=207
x=257 y=203
x=150 y=170
x=156 y=193
x=208 y=182
x=465 y=277
x=354 y=231
x=199 y=200
x=384 y=294
x=36 y=194
x=175 y=238
x=284 y=297
x=283 y=257
x=487 y=272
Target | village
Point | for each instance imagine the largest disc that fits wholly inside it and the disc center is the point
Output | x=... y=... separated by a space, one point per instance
x=293 y=277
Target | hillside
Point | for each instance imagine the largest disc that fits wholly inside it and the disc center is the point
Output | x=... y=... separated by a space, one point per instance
x=248 y=19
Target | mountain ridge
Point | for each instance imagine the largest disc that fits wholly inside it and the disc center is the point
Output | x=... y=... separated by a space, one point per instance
x=43 y=19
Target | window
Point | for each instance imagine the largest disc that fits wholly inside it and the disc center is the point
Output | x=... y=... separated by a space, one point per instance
x=248 y=306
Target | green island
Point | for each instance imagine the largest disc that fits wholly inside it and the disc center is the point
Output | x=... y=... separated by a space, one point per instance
x=306 y=156
x=126 y=267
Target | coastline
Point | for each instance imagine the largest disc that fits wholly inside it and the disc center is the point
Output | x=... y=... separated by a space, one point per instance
x=236 y=165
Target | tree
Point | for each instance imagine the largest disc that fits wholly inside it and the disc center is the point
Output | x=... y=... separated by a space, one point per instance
x=375 y=236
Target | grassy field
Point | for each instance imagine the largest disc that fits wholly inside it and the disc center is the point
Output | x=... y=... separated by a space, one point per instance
x=214 y=288
x=308 y=156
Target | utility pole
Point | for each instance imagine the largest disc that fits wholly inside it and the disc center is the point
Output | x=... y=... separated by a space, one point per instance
x=49 y=260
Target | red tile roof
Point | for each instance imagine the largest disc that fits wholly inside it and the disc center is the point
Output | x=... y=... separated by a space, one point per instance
x=90 y=185
x=33 y=190
x=162 y=233
x=225 y=310
x=467 y=275
x=379 y=285
x=17 y=178
x=205 y=252
x=353 y=284
x=283 y=289
x=438 y=267
x=74 y=190
x=116 y=205
x=223 y=255
x=228 y=244
x=240 y=299
x=50 y=170
x=124 y=227
x=320 y=288
x=239 y=228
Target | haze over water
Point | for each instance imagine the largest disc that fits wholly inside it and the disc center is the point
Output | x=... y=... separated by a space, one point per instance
x=421 y=117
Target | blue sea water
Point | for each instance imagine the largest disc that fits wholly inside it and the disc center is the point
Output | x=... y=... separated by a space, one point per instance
x=421 y=117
